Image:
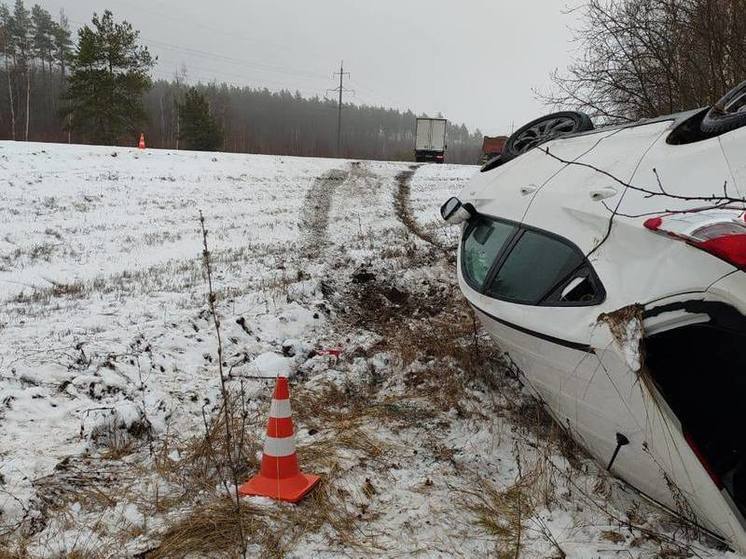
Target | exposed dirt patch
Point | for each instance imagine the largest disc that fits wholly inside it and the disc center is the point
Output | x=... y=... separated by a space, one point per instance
x=379 y=301
x=317 y=205
x=403 y=211
x=428 y=331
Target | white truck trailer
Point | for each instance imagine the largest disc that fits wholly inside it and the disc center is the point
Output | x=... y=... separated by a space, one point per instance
x=430 y=140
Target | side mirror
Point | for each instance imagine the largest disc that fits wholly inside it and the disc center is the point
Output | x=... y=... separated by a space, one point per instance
x=454 y=212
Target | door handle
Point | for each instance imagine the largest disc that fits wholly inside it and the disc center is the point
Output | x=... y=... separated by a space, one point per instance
x=602 y=194
x=526 y=190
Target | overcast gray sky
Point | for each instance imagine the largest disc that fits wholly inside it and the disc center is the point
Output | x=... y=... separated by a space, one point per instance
x=475 y=61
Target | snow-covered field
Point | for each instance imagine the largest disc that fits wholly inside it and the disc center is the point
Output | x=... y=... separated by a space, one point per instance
x=426 y=443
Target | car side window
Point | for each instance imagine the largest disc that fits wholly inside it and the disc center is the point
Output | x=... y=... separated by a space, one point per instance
x=483 y=240
x=543 y=269
x=581 y=288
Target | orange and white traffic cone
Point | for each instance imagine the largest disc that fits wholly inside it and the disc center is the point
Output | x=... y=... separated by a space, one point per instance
x=141 y=144
x=280 y=477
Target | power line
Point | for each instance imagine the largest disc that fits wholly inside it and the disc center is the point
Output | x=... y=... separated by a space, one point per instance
x=384 y=100
x=341 y=89
x=250 y=65
x=194 y=20
x=237 y=62
x=207 y=75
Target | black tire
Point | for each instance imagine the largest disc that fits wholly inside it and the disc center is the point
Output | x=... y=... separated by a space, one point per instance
x=539 y=131
x=544 y=129
x=727 y=114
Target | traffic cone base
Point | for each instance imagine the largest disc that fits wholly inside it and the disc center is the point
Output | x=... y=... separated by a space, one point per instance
x=291 y=489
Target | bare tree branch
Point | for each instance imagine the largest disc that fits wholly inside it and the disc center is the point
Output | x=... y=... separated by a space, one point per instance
x=647 y=192
x=715 y=202
x=643 y=58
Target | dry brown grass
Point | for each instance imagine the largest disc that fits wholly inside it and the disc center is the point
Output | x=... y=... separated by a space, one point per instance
x=75 y=290
x=6 y=553
x=322 y=455
x=504 y=513
x=115 y=440
x=97 y=484
x=207 y=520
x=613 y=536
x=348 y=407
x=271 y=530
x=343 y=407
x=201 y=465
x=435 y=337
x=533 y=420
x=509 y=514
x=446 y=355
x=94 y=483
x=23 y=554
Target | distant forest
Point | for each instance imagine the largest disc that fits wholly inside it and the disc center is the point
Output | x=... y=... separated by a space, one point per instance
x=36 y=54
x=262 y=121
x=253 y=121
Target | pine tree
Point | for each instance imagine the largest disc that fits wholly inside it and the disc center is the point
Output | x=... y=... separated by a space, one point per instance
x=22 y=33
x=61 y=55
x=62 y=43
x=7 y=42
x=43 y=35
x=110 y=73
x=198 y=128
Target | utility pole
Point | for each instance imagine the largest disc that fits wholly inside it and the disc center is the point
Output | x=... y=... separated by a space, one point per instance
x=341 y=89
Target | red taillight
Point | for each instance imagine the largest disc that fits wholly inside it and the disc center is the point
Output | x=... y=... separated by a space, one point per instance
x=721 y=232
x=730 y=248
x=654 y=223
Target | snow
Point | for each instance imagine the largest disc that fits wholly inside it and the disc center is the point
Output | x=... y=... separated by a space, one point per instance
x=271 y=365
x=632 y=343
x=107 y=343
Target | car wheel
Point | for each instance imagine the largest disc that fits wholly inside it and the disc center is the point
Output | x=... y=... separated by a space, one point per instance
x=544 y=129
x=539 y=131
x=727 y=114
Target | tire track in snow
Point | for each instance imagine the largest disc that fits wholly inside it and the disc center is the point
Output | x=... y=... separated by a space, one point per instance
x=318 y=202
x=404 y=211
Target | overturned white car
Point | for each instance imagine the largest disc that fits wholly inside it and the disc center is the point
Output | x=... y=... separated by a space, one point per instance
x=610 y=266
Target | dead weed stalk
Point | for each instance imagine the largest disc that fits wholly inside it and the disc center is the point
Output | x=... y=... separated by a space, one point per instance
x=200 y=466
x=227 y=409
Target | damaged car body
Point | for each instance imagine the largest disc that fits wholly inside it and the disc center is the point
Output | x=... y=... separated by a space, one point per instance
x=609 y=265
